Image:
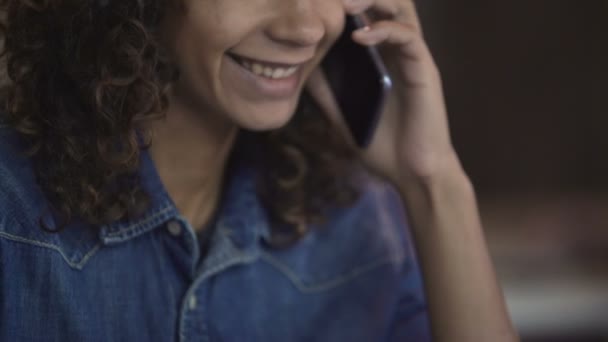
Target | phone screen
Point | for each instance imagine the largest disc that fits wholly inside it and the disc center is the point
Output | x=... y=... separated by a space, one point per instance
x=359 y=81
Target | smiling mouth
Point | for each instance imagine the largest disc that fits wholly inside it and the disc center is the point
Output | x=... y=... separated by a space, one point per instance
x=266 y=69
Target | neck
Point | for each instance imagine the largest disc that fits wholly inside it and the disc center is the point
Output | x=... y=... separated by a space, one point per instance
x=190 y=150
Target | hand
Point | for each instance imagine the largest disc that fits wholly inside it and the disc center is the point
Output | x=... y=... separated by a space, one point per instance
x=412 y=139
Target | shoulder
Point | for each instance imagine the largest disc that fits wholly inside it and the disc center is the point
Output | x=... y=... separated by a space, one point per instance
x=15 y=166
x=21 y=200
x=22 y=207
x=366 y=242
x=376 y=221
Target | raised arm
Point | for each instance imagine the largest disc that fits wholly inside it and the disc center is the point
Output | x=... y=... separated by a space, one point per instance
x=412 y=149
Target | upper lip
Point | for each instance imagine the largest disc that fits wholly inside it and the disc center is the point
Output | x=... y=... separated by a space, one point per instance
x=268 y=63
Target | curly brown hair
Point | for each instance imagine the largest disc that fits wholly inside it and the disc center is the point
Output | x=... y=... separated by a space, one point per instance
x=83 y=77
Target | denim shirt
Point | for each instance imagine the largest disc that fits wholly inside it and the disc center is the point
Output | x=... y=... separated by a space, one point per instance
x=354 y=279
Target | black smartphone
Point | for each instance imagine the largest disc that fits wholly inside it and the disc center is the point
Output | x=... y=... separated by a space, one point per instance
x=359 y=81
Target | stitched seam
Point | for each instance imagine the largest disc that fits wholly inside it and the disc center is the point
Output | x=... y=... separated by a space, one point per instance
x=246 y=258
x=142 y=223
x=51 y=246
x=324 y=286
x=238 y=260
x=87 y=256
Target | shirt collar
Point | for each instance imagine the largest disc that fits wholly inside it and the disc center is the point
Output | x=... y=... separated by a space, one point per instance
x=241 y=213
x=160 y=210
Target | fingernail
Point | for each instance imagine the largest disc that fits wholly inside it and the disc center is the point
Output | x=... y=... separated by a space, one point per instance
x=365 y=29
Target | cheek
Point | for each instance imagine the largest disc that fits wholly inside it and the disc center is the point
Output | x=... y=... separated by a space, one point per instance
x=333 y=13
x=199 y=51
x=333 y=16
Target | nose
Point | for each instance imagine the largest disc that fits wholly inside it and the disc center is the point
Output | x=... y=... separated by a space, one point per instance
x=297 y=24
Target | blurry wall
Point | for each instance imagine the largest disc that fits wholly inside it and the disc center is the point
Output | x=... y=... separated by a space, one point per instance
x=526 y=85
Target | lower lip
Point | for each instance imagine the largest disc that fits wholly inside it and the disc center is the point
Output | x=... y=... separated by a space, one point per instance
x=259 y=86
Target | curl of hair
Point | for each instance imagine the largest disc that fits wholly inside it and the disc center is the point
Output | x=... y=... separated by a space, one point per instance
x=83 y=75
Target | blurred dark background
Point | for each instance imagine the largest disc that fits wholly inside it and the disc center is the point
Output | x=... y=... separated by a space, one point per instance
x=526 y=84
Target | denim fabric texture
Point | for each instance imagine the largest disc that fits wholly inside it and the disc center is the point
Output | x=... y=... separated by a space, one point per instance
x=355 y=279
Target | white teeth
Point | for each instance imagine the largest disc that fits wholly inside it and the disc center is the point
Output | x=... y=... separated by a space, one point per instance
x=290 y=71
x=268 y=72
x=274 y=73
x=278 y=73
x=257 y=69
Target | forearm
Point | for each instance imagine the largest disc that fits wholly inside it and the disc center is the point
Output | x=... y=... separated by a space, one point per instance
x=464 y=298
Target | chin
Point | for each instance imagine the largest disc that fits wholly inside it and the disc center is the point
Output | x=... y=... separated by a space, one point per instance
x=264 y=117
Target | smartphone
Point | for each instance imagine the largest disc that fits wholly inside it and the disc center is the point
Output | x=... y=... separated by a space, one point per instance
x=359 y=81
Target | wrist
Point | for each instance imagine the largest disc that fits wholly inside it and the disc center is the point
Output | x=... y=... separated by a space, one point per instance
x=440 y=200
x=445 y=176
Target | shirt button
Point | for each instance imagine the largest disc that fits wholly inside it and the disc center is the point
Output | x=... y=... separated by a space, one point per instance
x=174 y=228
x=192 y=303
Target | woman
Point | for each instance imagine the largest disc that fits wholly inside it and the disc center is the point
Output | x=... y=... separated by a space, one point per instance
x=172 y=190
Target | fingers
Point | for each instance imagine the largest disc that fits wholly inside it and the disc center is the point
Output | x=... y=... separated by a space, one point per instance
x=409 y=14
x=403 y=11
x=386 y=32
x=393 y=23
x=399 y=32
x=409 y=44
x=390 y=33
